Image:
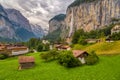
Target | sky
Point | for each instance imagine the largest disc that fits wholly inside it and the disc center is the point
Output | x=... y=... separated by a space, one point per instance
x=38 y=11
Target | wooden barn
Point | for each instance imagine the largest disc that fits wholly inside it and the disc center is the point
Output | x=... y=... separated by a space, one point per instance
x=80 y=55
x=26 y=62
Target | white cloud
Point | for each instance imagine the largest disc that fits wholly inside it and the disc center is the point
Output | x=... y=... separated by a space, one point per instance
x=38 y=11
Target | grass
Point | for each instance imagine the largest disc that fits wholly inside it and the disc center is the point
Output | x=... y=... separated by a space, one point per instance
x=102 y=48
x=107 y=69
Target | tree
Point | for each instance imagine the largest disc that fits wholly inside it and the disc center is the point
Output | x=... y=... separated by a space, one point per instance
x=102 y=36
x=46 y=47
x=82 y=40
x=77 y=35
x=115 y=36
x=40 y=48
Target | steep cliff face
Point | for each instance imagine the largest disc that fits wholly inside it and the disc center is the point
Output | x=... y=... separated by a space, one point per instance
x=13 y=25
x=56 y=22
x=56 y=27
x=92 y=15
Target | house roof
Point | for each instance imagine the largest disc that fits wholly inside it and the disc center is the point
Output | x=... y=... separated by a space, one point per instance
x=2 y=47
x=62 y=46
x=17 y=48
x=77 y=53
x=26 y=59
x=65 y=47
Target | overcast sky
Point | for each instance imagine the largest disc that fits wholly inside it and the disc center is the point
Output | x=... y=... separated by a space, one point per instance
x=38 y=11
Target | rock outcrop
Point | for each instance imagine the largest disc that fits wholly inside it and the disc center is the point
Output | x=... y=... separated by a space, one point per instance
x=92 y=15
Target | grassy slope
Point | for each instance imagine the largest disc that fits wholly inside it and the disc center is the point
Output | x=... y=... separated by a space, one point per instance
x=107 y=69
x=102 y=48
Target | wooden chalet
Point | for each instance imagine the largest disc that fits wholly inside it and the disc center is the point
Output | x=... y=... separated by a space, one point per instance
x=80 y=55
x=26 y=62
x=13 y=49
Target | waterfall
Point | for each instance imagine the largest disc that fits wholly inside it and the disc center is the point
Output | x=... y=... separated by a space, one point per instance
x=71 y=24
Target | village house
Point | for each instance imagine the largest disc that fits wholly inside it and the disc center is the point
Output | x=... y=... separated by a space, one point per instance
x=45 y=42
x=63 y=47
x=80 y=55
x=12 y=50
x=68 y=40
x=19 y=50
x=26 y=62
x=115 y=29
x=108 y=39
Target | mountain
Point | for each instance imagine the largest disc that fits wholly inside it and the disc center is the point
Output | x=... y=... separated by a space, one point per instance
x=16 y=17
x=6 y=29
x=14 y=26
x=56 y=25
x=56 y=22
x=37 y=30
x=92 y=14
x=88 y=15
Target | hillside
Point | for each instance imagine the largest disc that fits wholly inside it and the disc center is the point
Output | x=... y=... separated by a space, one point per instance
x=106 y=69
x=102 y=48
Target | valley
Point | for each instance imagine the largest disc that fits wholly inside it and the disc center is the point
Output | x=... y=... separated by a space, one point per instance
x=82 y=41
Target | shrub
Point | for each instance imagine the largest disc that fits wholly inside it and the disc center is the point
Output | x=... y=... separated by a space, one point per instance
x=31 y=51
x=40 y=48
x=3 y=56
x=68 y=60
x=51 y=55
x=92 y=59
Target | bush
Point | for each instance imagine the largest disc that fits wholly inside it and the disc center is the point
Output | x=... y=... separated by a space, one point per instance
x=68 y=60
x=31 y=51
x=3 y=56
x=92 y=59
x=51 y=55
x=40 y=48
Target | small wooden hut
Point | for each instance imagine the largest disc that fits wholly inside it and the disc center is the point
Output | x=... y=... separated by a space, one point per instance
x=80 y=55
x=26 y=62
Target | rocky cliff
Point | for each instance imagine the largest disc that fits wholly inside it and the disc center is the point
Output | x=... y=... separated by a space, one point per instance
x=56 y=27
x=56 y=22
x=91 y=15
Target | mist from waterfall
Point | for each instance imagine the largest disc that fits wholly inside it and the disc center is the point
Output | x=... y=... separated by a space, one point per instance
x=71 y=24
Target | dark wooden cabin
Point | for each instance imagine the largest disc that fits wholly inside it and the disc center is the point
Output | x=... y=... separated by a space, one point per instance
x=26 y=62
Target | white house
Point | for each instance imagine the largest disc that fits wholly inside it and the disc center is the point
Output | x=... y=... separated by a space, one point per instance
x=19 y=50
x=115 y=29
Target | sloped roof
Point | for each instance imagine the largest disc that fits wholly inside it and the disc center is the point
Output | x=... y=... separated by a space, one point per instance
x=26 y=59
x=77 y=53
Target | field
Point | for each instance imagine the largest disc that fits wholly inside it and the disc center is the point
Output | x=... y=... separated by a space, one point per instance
x=107 y=69
x=102 y=47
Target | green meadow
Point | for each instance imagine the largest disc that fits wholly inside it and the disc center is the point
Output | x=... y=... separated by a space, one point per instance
x=108 y=68
x=101 y=48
